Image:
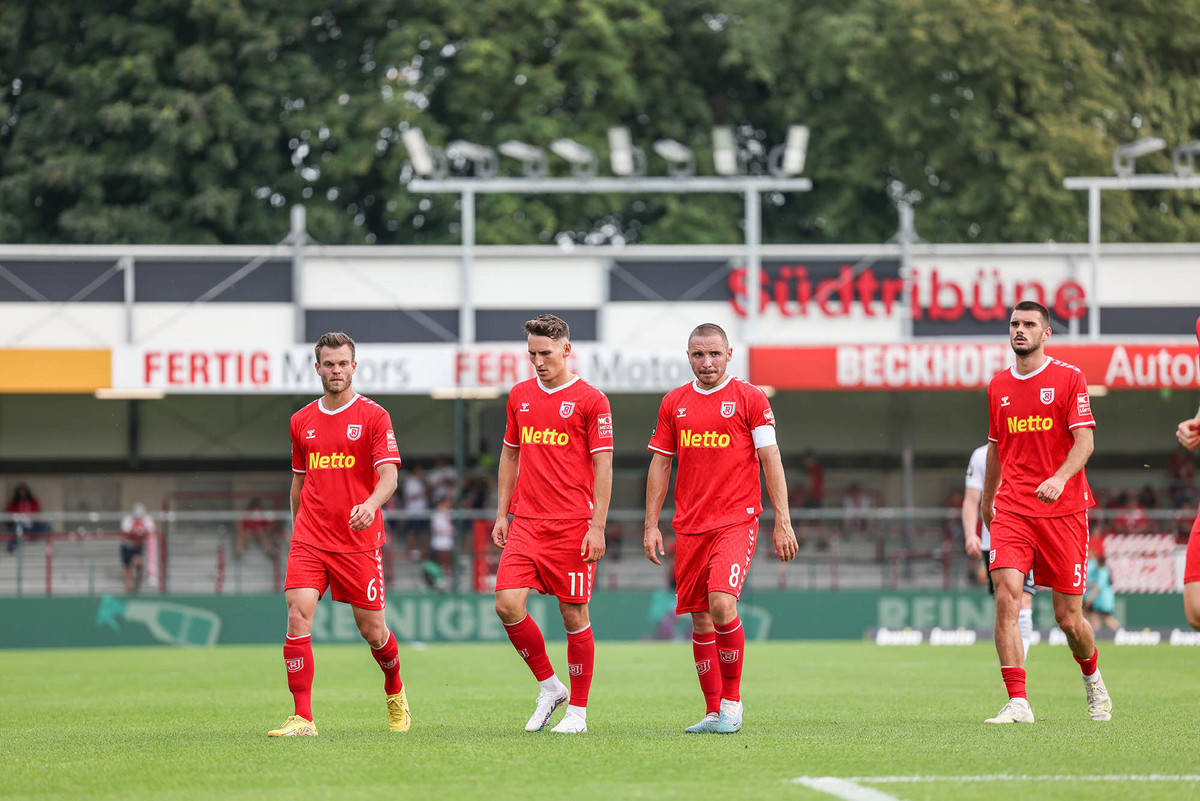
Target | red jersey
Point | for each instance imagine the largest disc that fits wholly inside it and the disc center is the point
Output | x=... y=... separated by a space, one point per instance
x=337 y=453
x=557 y=431
x=711 y=432
x=1031 y=419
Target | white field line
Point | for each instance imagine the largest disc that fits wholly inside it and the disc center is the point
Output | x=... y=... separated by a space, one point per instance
x=850 y=788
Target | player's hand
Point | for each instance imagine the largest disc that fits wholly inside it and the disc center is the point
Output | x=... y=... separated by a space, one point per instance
x=1188 y=433
x=652 y=544
x=500 y=531
x=593 y=544
x=1050 y=490
x=785 y=540
x=363 y=515
x=988 y=512
x=974 y=544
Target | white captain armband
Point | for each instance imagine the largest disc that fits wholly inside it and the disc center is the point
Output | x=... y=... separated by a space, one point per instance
x=763 y=436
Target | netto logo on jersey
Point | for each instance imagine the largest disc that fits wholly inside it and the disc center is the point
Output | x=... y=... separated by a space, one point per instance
x=325 y=461
x=1034 y=422
x=545 y=436
x=703 y=439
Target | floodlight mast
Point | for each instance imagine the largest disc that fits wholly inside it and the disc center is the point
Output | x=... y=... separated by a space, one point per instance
x=1126 y=179
x=750 y=186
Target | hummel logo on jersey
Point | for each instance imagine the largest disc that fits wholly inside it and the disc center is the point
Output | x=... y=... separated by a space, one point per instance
x=524 y=407
x=353 y=431
x=567 y=409
x=312 y=434
x=681 y=411
x=296 y=665
x=1047 y=394
x=1004 y=401
x=728 y=408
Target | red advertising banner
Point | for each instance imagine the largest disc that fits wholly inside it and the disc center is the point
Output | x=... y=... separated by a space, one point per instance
x=964 y=366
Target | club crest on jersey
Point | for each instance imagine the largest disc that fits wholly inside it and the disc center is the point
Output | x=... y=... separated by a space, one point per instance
x=703 y=666
x=353 y=431
x=728 y=408
x=1047 y=394
x=295 y=665
x=567 y=409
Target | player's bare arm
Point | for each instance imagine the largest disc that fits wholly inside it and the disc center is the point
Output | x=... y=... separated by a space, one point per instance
x=363 y=514
x=1051 y=489
x=1188 y=432
x=294 y=495
x=592 y=548
x=506 y=484
x=657 y=481
x=970 y=521
x=991 y=483
x=783 y=535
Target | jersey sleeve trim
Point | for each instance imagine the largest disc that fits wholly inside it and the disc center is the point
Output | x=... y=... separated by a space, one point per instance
x=509 y=444
x=601 y=448
x=299 y=472
x=1083 y=424
x=660 y=450
x=386 y=460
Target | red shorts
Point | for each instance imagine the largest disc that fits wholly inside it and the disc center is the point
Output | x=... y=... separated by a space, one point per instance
x=1056 y=547
x=1191 y=567
x=352 y=578
x=543 y=555
x=714 y=561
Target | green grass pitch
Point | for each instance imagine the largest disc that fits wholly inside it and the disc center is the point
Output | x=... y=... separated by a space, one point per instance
x=191 y=723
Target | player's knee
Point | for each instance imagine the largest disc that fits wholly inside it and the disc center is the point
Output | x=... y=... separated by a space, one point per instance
x=374 y=632
x=509 y=610
x=723 y=608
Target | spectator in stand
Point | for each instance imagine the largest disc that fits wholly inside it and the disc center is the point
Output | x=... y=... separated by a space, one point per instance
x=1131 y=517
x=1181 y=476
x=415 y=494
x=855 y=503
x=256 y=526
x=814 y=488
x=441 y=539
x=135 y=529
x=23 y=506
x=1147 y=497
x=442 y=480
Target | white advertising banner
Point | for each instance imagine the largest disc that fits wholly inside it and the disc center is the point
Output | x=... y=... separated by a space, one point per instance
x=417 y=369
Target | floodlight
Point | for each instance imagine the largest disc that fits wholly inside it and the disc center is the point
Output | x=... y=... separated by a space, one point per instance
x=679 y=157
x=581 y=158
x=1185 y=158
x=1125 y=155
x=726 y=159
x=425 y=161
x=533 y=158
x=788 y=159
x=484 y=158
x=626 y=160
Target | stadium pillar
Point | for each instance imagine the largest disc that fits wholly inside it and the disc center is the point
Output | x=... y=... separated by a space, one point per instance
x=298 y=236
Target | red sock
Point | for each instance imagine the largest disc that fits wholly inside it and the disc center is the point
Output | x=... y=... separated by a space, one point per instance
x=581 y=656
x=706 y=669
x=388 y=657
x=1088 y=666
x=527 y=638
x=1014 y=680
x=731 y=641
x=298 y=658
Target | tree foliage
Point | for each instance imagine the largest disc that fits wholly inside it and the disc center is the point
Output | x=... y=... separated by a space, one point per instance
x=203 y=120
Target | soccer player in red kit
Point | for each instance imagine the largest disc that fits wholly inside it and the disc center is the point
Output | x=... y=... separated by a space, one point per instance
x=1039 y=439
x=555 y=477
x=344 y=462
x=1188 y=434
x=719 y=428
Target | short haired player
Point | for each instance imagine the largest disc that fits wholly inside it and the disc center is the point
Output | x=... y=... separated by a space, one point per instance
x=555 y=477
x=719 y=429
x=1035 y=502
x=344 y=463
x=1188 y=434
